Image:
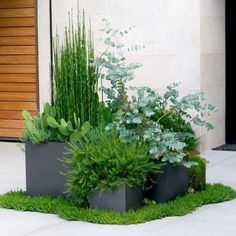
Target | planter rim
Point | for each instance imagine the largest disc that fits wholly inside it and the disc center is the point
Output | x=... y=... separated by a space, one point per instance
x=110 y=190
x=46 y=142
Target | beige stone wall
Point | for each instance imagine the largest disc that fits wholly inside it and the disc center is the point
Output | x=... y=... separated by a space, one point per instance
x=168 y=29
x=178 y=39
x=43 y=51
x=213 y=67
x=60 y=9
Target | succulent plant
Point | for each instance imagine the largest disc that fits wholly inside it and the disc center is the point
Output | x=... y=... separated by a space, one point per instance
x=44 y=127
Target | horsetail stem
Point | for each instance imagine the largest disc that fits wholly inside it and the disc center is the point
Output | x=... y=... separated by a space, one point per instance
x=75 y=77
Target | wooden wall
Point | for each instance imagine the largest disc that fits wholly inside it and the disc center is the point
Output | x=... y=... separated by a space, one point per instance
x=18 y=89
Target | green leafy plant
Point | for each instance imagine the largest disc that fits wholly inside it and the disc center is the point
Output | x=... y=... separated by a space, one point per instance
x=44 y=127
x=75 y=75
x=163 y=122
x=69 y=211
x=174 y=122
x=75 y=103
x=103 y=161
x=105 y=115
x=197 y=174
x=192 y=107
x=114 y=67
x=137 y=121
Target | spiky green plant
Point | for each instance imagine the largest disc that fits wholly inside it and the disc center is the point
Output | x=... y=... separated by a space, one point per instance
x=102 y=161
x=74 y=78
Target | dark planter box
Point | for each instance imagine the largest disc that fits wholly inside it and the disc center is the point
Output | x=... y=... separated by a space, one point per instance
x=169 y=184
x=44 y=168
x=120 y=200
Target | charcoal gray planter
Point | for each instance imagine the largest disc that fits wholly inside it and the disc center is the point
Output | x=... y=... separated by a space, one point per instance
x=173 y=181
x=120 y=200
x=44 y=168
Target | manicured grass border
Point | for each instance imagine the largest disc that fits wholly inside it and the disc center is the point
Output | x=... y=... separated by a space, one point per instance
x=214 y=193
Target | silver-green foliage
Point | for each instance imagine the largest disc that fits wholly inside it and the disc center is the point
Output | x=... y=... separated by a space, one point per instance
x=74 y=79
x=137 y=121
x=114 y=66
x=45 y=128
x=135 y=116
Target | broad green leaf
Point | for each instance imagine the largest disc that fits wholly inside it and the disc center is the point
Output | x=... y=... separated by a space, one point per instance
x=52 y=122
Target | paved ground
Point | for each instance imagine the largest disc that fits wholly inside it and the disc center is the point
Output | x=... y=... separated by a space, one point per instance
x=215 y=220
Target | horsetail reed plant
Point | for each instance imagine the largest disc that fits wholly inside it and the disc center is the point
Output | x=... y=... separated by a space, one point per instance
x=74 y=81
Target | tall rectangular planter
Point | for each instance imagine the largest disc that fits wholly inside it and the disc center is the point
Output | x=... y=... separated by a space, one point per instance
x=169 y=184
x=44 y=168
x=120 y=199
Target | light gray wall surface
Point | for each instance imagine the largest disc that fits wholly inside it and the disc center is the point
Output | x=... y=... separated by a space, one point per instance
x=184 y=41
x=43 y=51
x=60 y=9
x=213 y=67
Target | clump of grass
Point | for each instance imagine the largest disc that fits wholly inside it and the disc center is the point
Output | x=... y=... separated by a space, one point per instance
x=197 y=173
x=214 y=193
x=74 y=78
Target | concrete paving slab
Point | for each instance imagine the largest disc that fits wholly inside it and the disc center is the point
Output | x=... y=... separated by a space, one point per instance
x=16 y=223
x=12 y=166
x=216 y=219
x=220 y=213
x=82 y=228
x=183 y=228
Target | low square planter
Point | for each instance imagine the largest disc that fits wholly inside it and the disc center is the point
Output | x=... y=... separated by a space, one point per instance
x=44 y=168
x=119 y=200
x=173 y=181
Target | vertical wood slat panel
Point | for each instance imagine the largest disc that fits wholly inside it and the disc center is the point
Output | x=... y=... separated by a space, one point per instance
x=17 y=78
x=17 y=65
x=12 y=124
x=17 y=31
x=15 y=22
x=21 y=69
x=16 y=3
x=17 y=106
x=10 y=133
x=17 y=60
x=17 y=13
x=17 y=87
x=12 y=115
x=17 y=41
x=18 y=96
x=17 y=50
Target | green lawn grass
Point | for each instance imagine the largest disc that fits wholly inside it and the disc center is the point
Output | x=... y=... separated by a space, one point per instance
x=214 y=193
